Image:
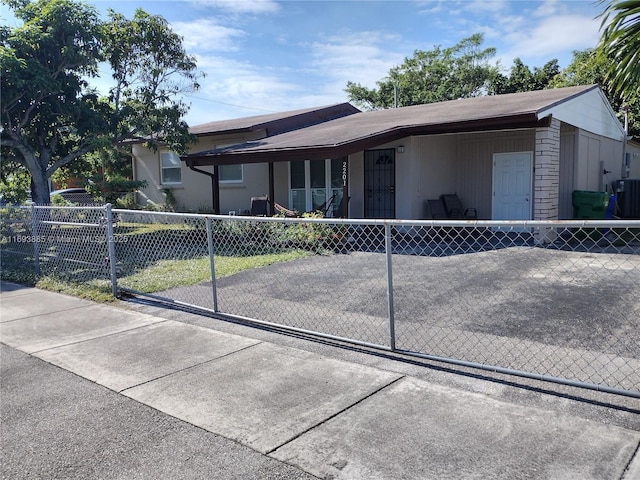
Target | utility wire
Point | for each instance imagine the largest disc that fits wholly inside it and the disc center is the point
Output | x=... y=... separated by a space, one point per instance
x=230 y=104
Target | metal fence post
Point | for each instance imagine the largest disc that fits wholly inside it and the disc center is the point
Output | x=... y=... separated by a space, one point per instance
x=36 y=239
x=388 y=248
x=212 y=265
x=111 y=247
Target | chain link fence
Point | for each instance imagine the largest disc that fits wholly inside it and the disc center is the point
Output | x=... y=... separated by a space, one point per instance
x=556 y=300
x=70 y=244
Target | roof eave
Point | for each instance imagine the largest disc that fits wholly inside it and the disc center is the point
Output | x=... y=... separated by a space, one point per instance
x=320 y=152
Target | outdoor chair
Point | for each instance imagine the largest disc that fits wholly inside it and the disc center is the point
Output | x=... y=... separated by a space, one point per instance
x=454 y=210
x=259 y=206
x=434 y=210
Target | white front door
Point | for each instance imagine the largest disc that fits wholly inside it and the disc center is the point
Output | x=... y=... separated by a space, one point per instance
x=512 y=197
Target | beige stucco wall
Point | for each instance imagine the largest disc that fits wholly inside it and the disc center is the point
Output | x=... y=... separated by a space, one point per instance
x=194 y=193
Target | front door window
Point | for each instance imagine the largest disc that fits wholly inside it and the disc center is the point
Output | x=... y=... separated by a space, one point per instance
x=314 y=183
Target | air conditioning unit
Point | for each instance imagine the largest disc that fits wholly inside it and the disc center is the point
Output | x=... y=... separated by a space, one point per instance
x=628 y=194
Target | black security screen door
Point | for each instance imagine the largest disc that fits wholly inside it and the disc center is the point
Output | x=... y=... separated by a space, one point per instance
x=380 y=183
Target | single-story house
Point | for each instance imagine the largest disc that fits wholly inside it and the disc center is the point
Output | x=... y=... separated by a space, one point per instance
x=515 y=156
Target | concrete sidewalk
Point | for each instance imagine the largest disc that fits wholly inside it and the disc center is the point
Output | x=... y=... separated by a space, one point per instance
x=288 y=412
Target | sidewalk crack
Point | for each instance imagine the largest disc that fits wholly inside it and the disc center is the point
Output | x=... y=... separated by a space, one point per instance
x=269 y=452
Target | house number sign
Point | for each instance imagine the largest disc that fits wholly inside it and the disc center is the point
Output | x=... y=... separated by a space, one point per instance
x=344 y=173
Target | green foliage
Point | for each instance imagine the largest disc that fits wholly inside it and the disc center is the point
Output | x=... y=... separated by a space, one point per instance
x=522 y=79
x=460 y=71
x=170 y=201
x=51 y=117
x=243 y=237
x=14 y=187
x=620 y=42
x=150 y=68
x=587 y=66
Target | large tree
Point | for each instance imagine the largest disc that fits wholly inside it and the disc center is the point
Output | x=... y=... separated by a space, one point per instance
x=461 y=71
x=51 y=116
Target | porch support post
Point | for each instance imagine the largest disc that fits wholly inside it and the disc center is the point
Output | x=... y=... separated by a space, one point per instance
x=345 y=188
x=546 y=189
x=215 y=186
x=272 y=190
x=215 y=190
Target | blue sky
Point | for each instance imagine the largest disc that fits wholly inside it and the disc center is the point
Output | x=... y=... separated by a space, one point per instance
x=264 y=56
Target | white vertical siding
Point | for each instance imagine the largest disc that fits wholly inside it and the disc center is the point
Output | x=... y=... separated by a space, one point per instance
x=595 y=154
x=589 y=111
x=568 y=140
x=475 y=164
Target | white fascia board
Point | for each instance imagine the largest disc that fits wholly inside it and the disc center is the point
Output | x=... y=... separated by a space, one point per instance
x=589 y=111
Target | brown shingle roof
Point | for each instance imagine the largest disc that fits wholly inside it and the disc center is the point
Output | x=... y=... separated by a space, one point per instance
x=276 y=123
x=354 y=133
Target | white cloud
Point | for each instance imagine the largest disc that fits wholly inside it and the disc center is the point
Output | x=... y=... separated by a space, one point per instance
x=360 y=57
x=206 y=35
x=241 y=6
x=547 y=8
x=485 y=6
x=554 y=35
x=235 y=89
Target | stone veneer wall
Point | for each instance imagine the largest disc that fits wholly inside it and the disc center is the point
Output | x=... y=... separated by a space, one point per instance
x=546 y=191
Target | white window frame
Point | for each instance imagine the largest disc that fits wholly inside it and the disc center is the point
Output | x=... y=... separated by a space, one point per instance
x=241 y=180
x=329 y=190
x=163 y=168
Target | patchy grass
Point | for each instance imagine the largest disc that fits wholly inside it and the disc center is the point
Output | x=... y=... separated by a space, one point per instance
x=95 y=290
x=166 y=274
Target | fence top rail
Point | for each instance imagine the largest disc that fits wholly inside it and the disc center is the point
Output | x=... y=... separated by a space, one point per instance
x=398 y=222
x=63 y=207
x=73 y=224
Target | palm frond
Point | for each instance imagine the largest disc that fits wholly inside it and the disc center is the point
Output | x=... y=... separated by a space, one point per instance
x=620 y=41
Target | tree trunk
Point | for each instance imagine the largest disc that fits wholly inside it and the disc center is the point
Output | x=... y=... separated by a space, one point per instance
x=39 y=183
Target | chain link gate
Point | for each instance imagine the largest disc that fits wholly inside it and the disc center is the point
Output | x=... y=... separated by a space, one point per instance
x=557 y=301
